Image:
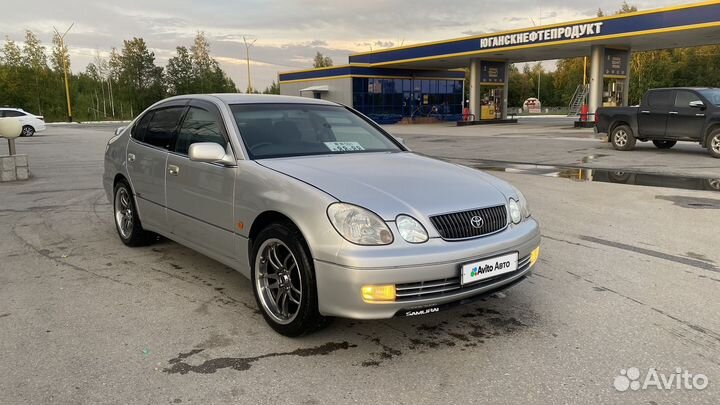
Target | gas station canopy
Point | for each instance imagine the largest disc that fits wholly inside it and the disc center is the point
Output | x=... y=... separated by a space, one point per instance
x=425 y=77
x=671 y=27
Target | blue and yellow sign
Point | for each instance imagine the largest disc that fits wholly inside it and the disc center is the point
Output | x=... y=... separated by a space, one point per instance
x=671 y=19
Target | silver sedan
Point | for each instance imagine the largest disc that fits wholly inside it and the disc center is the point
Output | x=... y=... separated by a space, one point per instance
x=326 y=213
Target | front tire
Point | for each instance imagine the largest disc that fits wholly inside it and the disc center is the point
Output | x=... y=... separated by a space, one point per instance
x=127 y=221
x=284 y=281
x=27 y=130
x=664 y=144
x=622 y=138
x=713 y=143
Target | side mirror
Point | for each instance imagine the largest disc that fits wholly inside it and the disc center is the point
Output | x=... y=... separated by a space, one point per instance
x=119 y=130
x=210 y=152
x=697 y=104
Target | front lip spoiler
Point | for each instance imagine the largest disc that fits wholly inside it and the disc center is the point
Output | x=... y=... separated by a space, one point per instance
x=432 y=308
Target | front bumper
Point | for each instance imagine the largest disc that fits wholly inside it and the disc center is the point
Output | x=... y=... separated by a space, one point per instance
x=424 y=287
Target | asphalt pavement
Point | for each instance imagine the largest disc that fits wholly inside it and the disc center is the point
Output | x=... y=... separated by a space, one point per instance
x=628 y=278
x=553 y=141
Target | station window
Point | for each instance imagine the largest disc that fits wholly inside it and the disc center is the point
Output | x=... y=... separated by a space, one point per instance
x=391 y=99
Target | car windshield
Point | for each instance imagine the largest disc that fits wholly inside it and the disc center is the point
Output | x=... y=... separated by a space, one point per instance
x=713 y=95
x=282 y=130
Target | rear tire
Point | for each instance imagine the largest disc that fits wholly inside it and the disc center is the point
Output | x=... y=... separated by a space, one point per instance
x=713 y=143
x=622 y=138
x=27 y=130
x=664 y=144
x=127 y=221
x=283 y=280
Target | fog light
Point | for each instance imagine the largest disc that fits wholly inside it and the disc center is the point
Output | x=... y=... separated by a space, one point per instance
x=378 y=293
x=534 y=256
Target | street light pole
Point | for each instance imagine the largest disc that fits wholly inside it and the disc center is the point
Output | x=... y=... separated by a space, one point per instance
x=247 y=57
x=64 y=61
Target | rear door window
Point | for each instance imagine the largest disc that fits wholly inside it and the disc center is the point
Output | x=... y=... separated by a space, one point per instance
x=660 y=98
x=138 y=131
x=161 y=128
x=12 y=113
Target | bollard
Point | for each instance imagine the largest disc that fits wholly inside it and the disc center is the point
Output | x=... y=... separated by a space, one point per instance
x=13 y=167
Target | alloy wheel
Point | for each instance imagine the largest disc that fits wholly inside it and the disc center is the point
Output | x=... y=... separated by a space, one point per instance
x=621 y=138
x=278 y=281
x=123 y=213
x=715 y=143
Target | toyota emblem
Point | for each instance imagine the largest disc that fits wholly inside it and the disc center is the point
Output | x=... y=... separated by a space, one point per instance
x=477 y=222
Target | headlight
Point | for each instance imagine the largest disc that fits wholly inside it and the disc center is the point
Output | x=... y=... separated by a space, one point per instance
x=515 y=211
x=359 y=225
x=518 y=208
x=410 y=229
x=524 y=206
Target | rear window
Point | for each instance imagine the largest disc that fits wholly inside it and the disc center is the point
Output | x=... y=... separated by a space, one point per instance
x=660 y=98
x=161 y=129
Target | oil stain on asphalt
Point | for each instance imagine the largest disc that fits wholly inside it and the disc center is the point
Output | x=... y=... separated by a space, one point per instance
x=179 y=366
x=466 y=331
x=469 y=330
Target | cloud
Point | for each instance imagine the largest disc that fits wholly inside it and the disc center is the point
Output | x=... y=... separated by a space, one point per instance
x=288 y=32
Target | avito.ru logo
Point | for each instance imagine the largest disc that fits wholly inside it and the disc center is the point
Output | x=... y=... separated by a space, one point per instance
x=679 y=380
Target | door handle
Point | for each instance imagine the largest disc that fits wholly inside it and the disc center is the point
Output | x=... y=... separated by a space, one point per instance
x=673 y=113
x=644 y=112
x=173 y=170
x=699 y=115
x=131 y=157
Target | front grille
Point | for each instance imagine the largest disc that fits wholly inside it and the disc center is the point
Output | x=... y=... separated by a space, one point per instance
x=449 y=286
x=457 y=225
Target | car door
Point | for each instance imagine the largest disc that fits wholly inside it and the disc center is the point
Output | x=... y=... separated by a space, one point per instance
x=684 y=121
x=200 y=195
x=653 y=113
x=147 y=152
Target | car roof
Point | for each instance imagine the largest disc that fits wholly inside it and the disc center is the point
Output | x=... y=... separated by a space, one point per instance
x=241 y=98
x=11 y=109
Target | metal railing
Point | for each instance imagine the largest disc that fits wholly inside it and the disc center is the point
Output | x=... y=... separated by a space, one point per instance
x=578 y=100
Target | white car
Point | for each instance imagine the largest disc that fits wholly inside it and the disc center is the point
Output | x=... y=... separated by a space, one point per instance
x=30 y=123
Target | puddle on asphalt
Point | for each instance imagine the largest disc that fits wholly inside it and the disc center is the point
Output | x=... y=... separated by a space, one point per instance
x=604 y=175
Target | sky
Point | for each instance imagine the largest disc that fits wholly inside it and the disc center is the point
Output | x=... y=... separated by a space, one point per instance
x=287 y=33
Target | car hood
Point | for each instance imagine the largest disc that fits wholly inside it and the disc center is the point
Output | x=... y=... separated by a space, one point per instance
x=396 y=183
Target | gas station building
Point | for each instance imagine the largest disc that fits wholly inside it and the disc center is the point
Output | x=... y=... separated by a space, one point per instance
x=427 y=79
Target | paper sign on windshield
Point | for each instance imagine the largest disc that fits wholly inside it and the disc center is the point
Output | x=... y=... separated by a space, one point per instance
x=343 y=146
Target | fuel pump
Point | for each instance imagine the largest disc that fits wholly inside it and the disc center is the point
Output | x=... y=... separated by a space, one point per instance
x=491 y=108
x=613 y=93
